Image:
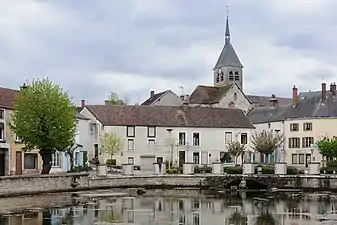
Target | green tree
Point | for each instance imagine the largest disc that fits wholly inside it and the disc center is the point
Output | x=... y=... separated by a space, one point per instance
x=115 y=100
x=266 y=142
x=236 y=149
x=44 y=119
x=328 y=148
x=111 y=144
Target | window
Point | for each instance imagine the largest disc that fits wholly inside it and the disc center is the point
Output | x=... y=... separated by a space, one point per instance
x=237 y=77
x=151 y=142
x=196 y=219
x=235 y=96
x=130 y=131
x=244 y=139
x=77 y=159
x=2 y=133
x=218 y=78
x=307 y=126
x=196 y=139
x=30 y=161
x=55 y=159
x=196 y=158
x=269 y=125
x=17 y=138
x=231 y=77
x=131 y=144
x=294 y=158
x=228 y=137
x=307 y=142
x=2 y=114
x=151 y=131
x=182 y=138
x=301 y=158
x=131 y=161
x=294 y=127
x=294 y=143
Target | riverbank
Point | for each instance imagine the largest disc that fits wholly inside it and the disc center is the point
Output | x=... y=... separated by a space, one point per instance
x=35 y=184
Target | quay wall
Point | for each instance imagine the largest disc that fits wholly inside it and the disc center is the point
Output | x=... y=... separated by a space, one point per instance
x=35 y=184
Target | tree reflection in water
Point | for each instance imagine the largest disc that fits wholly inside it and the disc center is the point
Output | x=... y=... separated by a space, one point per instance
x=238 y=218
x=265 y=218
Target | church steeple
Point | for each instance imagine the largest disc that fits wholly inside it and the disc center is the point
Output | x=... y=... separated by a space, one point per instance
x=228 y=69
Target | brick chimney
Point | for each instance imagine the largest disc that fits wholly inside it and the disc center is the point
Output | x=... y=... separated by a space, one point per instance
x=295 y=96
x=333 y=89
x=323 y=92
x=273 y=101
x=82 y=103
x=151 y=94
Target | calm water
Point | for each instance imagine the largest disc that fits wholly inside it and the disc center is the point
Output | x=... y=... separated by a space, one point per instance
x=188 y=208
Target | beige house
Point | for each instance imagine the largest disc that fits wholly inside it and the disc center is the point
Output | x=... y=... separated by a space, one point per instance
x=178 y=133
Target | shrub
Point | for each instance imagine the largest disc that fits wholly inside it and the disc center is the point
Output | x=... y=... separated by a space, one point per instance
x=328 y=170
x=119 y=167
x=174 y=170
x=332 y=164
x=233 y=169
x=268 y=170
x=78 y=169
x=202 y=169
x=111 y=162
x=94 y=161
x=293 y=170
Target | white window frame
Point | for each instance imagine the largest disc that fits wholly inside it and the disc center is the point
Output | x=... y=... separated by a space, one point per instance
x=151 y=131
x=228 y=137
x=131 y=160
x=151 y=142
x=2 y=114
x=307 y=126
x=56 y=160
x=2 y=134
x=130 y=131
x=131 y=147
x=194 y=140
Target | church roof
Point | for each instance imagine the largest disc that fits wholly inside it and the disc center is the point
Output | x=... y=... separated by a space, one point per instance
x=228 y=56
x=208 y=94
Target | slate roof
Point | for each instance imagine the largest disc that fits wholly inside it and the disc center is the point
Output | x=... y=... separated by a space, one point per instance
x=208 y=94
x=264 y=100
x=7 y=97
x=156 y=96
x=309 y=106
x=170 y=116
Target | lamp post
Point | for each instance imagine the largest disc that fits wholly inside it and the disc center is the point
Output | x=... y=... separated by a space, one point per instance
x=171 y=145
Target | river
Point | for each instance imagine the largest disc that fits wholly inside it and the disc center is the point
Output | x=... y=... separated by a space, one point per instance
x=180 y=207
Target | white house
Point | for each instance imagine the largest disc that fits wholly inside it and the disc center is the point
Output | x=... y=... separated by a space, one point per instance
x=168 y=98
x=178 y=133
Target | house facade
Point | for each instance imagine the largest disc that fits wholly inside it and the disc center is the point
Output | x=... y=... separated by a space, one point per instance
x=169 y=133
x=164 y=98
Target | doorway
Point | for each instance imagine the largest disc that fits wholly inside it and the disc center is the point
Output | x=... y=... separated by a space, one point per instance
x=18 y=163
x=2 y=164
x=307 y=159
x=160 y=160
x=181 y=158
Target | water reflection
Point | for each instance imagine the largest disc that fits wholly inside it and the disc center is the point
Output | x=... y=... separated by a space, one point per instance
x=234 y=209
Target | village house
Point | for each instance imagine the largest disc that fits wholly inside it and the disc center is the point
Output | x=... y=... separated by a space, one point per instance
x=167 y=97
x=163 y=133
x=312 y=116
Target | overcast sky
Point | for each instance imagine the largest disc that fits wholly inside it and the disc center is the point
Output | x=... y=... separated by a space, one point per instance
x=130 y=47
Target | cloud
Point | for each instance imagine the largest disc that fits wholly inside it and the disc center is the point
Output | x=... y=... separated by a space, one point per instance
x=131 y=47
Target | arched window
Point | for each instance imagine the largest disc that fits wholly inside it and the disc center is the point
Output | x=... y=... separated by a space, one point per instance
x=235 y=96
x=237 y=76
x=231 y=77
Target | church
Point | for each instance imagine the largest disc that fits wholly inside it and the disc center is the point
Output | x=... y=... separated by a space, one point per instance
x=227 y=90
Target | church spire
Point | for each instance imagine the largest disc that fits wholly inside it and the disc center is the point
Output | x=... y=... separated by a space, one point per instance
x=227 y=34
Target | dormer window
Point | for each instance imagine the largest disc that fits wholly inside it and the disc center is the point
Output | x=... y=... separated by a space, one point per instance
x=231 y=76
x=237 y=77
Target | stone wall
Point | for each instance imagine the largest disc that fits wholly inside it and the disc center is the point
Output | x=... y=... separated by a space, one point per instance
x=33 y=184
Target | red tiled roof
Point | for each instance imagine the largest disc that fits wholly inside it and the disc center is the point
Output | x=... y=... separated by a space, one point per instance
x=170 y=116
x=7 y=97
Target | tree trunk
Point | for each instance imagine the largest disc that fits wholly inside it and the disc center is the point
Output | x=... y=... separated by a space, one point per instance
x=71 y=156
x=46 y=159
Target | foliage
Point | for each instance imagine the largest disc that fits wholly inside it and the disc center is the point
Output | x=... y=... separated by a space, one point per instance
x=233 y=170
x=294 y=171
x=268 y=170
x=236 y=149
x=115 y=100
x=203 y=169
x=265 y=218
x=267 y=142
x=44 y=119
x=111 y=144
x=94 y=161
x=111 y=162
x=328 y=147
x=238 y=219
x=175 y=170
x=80 y=169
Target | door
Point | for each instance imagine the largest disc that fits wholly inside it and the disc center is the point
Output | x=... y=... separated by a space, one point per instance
x=160 y=160
x=181 y=158
x=18 y=163
x=307 y=159
x=2 y=164
x=147 y=163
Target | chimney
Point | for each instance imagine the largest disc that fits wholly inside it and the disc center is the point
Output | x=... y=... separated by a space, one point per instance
x=151 y=94
x=295 y=96
x=83 y=103
x=273 y=101
x=323 y=93
x=333 y=89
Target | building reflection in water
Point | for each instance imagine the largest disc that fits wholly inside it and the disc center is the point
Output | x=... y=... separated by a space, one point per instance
x=201 y=210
